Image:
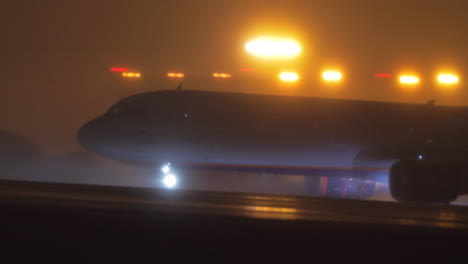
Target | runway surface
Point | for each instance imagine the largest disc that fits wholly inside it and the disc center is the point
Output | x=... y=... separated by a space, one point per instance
x=287 y=208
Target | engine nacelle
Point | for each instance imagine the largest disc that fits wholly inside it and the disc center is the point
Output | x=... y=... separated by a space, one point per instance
x=426 y=181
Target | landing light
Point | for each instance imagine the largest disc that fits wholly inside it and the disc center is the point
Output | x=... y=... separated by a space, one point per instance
x=170 y=180
x=166 y=168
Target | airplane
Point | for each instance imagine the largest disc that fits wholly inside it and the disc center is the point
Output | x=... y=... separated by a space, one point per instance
x=277 y=134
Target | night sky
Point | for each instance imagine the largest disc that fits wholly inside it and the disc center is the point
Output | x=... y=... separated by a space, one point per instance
x=56 y=54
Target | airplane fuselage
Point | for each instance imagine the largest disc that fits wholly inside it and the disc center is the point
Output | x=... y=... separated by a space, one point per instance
x=200 y=127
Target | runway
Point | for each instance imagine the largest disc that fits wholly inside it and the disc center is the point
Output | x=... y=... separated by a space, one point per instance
x=244 y=205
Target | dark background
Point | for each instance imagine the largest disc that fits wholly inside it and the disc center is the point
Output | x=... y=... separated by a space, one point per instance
x=55 y=55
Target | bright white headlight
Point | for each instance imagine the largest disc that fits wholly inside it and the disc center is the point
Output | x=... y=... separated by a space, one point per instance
x=170 y=180
x=166 y=168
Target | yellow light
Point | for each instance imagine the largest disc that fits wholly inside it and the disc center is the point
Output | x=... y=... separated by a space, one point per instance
x=138 y=75
x=289 y=76
x=447 y=78
x=175 y=75
x=272 y=209
x=332 y=76
x=409 y=79
x=273 y=48
x=222 y=75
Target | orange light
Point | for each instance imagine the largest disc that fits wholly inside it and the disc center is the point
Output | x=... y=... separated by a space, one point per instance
x=131 y=74
x=222 y=75
x=289 y=76
x=272 y=209
x=332 y=76
x=409 y=79
x=447 y=78
x=175 y=75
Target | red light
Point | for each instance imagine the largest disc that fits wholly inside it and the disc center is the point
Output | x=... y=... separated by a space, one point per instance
x=247 y=70
x=383 y=75
x=323 y=189
x=113 y=69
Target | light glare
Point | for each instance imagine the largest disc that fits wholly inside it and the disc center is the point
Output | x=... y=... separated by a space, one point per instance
x=289 y=76
x=165 y=169
x=447 y=78
x=332 y=76
x=409 y=79
x=271 y=48
x=170 y=180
